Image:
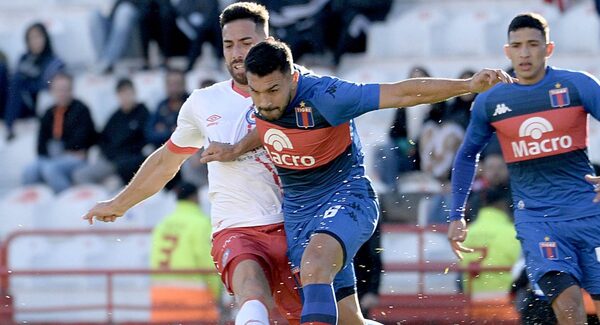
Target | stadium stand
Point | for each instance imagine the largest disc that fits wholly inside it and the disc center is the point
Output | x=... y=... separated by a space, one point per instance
x=445 y=36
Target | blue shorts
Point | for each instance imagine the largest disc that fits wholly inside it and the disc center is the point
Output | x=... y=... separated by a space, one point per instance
x=571 y=246
x=350 y=218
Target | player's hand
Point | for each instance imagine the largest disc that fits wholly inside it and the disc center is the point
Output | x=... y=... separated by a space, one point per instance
x=595 y=180
x=218 y=151
x=106 y=211
x=457 y=233
x=486 y=78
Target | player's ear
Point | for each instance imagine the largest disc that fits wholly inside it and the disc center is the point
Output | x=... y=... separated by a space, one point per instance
x=549 y=49
x=506 y=47
x=296 y=76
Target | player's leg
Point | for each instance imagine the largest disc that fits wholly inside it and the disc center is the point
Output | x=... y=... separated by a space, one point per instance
x=349 y=310
x=251 y=291
x=240 y=259
x=565 y=295
x=347 y=299
x=321 y=260
x=589 y=256
x=342 y=228
x=552 y=262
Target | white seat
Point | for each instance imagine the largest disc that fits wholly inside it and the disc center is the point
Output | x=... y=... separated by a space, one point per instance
x=70 y=206
x=408 y=35
x=464 y=34
x=22 y=206
x=578 y=31
x=150 y=87
x=98 y=92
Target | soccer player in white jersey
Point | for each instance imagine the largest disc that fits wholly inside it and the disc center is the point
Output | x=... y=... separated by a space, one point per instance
x=249 y=245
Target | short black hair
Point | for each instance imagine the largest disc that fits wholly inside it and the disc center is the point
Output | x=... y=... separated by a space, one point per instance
x=124 y=83
x=269 y=56
x=185 y=190
x=245 y=10
x=530 y=20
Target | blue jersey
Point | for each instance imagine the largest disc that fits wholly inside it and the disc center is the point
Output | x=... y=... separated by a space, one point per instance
x=542 y=129
x=314 y=145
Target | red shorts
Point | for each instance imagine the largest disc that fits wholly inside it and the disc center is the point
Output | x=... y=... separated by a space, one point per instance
x=267 y=246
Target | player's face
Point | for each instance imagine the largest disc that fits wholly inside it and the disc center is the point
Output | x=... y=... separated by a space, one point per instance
x=528 y=51
x=238 y=37
x=272 y=93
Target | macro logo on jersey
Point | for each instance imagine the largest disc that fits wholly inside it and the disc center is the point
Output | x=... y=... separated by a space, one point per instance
x=304 y=116
x=279 y=141
x=542 y=134
x=559 y=97
x=534 y=128
x=295 y=148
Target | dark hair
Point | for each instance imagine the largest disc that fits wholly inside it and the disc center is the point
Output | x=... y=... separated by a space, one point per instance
x=124 y=83
x=64 y=75
x=185 y=190
x=267 y=57
x=245 y=10
x=48 y=46
x=530 y=20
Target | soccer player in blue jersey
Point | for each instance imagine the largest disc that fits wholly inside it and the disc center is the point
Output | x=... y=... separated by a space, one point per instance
x=330 y=208
x=541 y=124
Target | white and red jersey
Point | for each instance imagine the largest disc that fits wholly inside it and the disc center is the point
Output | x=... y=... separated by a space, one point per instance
x=244 y=192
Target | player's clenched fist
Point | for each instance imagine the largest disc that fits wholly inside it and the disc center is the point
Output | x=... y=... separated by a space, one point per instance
x=105 y=211
x=486 y=78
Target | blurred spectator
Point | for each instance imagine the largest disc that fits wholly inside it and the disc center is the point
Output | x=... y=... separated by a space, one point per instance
x=459 y=110
x=33 y=72
x=172 y=24
x=159 y=23
x=199 y=21
x=348 y=22
x=66 y=133
x=117 y=31
x=299 y=23
x=183 y=241
x=121 y=142
x=164 y=120
x=368 y=268
x=3 y=83
x=494 y=176
x=494 y=232
x=400 y=151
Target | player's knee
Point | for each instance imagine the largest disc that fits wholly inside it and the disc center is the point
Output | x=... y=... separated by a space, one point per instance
x=317 y=269
x=250 y=283
x=555 y=284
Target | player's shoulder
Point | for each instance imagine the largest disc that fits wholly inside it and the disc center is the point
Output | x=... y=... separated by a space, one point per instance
x=573 y=75
x=219 y=87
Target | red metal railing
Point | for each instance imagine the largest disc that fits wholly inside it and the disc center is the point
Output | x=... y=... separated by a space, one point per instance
x=7 y=310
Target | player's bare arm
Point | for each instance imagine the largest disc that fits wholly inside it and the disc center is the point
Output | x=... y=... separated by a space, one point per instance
x=457 y=233
x=594 y=180
x=417 y=91
x=218 y=151
x=158 y=169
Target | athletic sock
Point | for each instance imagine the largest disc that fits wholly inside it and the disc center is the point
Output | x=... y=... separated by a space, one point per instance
x=252 y=312
x=319 y=306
